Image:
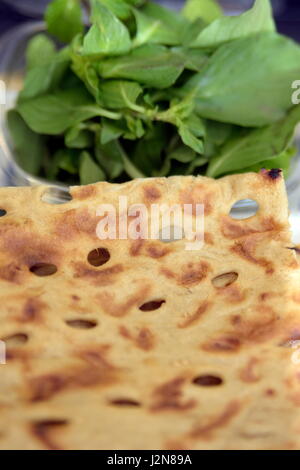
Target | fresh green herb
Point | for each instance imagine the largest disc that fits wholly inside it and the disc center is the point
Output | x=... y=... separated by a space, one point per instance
x=257 y=20
x=146 y=91
x=89 y=171
x=107 y=35
x=254 y=88
x=256 y=146
x=208 y=10
x=29 y=147
x=64 y=19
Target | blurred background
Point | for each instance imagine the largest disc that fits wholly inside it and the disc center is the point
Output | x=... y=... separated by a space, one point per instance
x=287 y=12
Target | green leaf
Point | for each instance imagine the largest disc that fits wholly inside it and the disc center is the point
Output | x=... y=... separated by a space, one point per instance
x=208 y=10
x=147 y=154
x=118 y=94
x=257 y=20
x=255 y=146
x=151 y=65
x=152 y=30
x=190 y=139
x=196 y=163
x=130 y=168
x=120 y=8
x=29 y=147
x=282 y=161
x=135 y=128
x=54 y=114
x=45 y=76
x=248 y=81
x=84 y=68
x=192 y=31
x=107 y=35
x=79 y=137
x=193 y=59
x=89 y=171
x=63 y=159
x=110 y=130
x=109 y=156
x=64 y=19
x=113 y=158
x=181 y=154
x=40 y=50
x=218 y=132
x=170 y=18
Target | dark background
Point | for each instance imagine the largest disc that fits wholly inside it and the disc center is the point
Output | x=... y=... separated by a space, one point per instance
x=287 y=12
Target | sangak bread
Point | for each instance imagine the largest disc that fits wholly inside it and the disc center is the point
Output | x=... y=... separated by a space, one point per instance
x=151 y=350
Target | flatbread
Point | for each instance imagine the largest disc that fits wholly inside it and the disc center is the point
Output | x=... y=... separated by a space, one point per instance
x=160 y=347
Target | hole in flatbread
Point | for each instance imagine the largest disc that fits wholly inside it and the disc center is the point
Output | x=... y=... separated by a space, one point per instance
x=42 y=427
x=207 y=380
x=152 y=305
x=244 y=209
x=43 y=269
x=125 y=402
x=82 y=324
x=98 y=257
x=171 y=233
x=53 y=195
x=15 y=340
x=296 y=250
x=2 y=212
x=224 y=280
x=292 y=343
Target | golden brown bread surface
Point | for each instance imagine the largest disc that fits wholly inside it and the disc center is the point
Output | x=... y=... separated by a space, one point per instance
x=158 y=348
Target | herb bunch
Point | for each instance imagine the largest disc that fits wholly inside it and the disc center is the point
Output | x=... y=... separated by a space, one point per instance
x=141 y=91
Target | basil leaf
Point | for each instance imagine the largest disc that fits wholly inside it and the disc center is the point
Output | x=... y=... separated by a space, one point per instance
x=40 y=50
x=109 y=156
x=192 y=31
x=64 y=19
x=218 y=132
x=147 y=154
x=257 y=20
x=79 y=137
x=107 y=35
x=45 y=76
x=182 y=154
x=255 y=146
x=193 y=59
x=208 y=10
x=110 y=130
x=170 y=18
x=114 y=159
x=151 y=65
x=283 y=161
x=152 y=30
x=89 y=171
x=135 y=128
x=120 y=8
x=118 y=94
x=84 y=68
x=190 y=139
x=63 y=159
x=54 y=114
x=254 y=87
x=196 y=163
x=29 y=147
